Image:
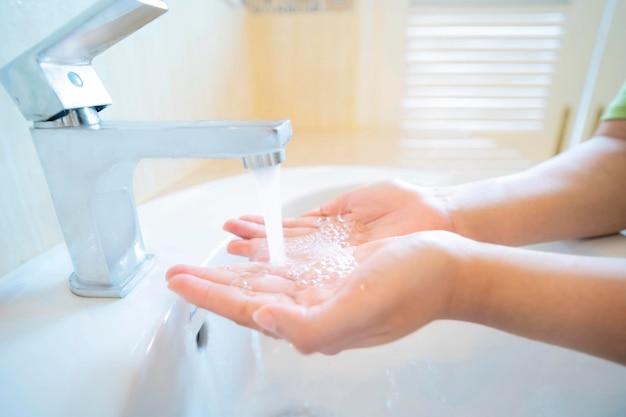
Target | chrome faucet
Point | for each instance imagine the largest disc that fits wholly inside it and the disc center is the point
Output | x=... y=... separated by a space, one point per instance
x=89 y=163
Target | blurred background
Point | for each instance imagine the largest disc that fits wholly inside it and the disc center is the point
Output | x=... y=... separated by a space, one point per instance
x=473 y=87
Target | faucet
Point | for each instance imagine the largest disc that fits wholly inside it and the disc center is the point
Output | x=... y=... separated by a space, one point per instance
x=89 y=163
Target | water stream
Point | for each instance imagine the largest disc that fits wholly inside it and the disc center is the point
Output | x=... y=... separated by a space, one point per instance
x=268 y=187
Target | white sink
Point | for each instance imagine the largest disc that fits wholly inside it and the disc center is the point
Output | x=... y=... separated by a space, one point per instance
x=151 y=354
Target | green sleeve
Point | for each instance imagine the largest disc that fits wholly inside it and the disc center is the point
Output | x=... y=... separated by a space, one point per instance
x=617 y=108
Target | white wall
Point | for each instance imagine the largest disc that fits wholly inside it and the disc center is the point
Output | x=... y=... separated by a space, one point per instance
x=189 y=63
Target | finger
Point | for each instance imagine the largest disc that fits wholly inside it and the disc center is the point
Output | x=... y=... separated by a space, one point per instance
x=234 y=303
x=255 y=218
x=245 y=229
x=177 y=270
x=258 y=277
x=254 y=249
x=300 y=226
x=217 y=275
x=252 y=230
x=307 y=222
x=299 y=231
x=302 y=221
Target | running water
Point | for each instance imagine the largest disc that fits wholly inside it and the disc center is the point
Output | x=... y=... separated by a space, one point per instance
x=268 y=187
x=316 y=262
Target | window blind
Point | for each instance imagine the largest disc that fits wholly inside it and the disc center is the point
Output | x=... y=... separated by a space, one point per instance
x=481 y=66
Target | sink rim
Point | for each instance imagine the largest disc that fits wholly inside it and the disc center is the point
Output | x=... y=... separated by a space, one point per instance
x=40 y=285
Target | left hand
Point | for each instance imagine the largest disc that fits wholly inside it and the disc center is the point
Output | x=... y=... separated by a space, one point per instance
x=377 y=211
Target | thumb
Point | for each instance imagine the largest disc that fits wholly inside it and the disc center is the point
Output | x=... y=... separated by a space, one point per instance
x=293 y=323
x=277 y=319
x=324 y=328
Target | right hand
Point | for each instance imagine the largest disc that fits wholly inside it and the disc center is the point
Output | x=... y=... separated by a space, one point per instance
x=380 y=210
x=400 y=285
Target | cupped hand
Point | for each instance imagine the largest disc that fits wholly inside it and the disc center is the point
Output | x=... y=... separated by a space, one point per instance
x=399 y=285
x=376 y=211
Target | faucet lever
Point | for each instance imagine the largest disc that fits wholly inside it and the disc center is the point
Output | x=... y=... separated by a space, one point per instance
x=56 y=75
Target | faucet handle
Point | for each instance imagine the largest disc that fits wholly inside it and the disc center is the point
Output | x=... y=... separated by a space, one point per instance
x=56 y=75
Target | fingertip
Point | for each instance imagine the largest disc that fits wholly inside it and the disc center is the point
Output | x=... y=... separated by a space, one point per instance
x=230 y=225
x=238 y=247
x=244 y=227
x=232 y=246
x=178 y=282
x=254 y=218
x=176 y=270
x=191 y=288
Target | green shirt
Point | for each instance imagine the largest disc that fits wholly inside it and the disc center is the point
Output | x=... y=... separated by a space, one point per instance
x=617 y=108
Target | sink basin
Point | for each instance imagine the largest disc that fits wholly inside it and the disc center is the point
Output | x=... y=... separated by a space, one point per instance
x=152 y=354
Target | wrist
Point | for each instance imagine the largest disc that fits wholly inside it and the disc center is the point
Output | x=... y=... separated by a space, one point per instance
x=452 y=260
x=432 y=208
x=466 y=279
x=451 y=208
x=474 y=208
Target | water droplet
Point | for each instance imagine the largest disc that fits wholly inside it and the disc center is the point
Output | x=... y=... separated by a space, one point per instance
x=242 y=282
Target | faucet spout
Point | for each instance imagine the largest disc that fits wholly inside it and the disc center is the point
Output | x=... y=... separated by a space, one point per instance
x=89 y=169
x=263 y=160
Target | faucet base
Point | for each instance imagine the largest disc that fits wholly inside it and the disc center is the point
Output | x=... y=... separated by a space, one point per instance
x=83 y=289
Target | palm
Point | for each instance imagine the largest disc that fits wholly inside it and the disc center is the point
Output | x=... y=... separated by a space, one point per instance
x=262 y=284
x=376 y=212
x=379 y=301
x=283 y=279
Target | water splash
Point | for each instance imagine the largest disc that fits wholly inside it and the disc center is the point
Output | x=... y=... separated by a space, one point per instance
x=323 y=257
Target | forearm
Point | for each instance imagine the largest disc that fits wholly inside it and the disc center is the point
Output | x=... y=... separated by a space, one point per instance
x=571 y=301
x=576 y=194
